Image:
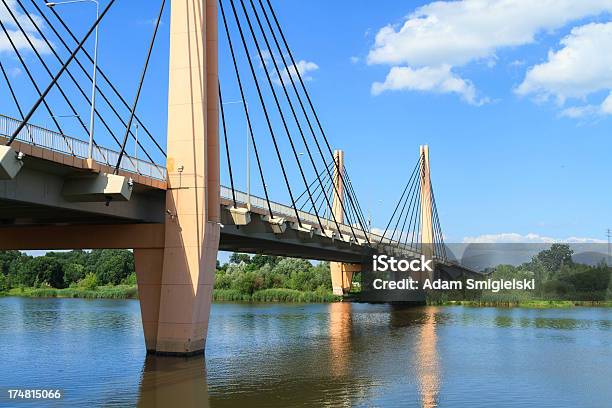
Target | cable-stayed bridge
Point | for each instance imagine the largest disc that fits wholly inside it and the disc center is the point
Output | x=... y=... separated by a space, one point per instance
x=168 y=204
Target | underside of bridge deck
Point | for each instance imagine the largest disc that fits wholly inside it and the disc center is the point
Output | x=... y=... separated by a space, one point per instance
x=35 y=196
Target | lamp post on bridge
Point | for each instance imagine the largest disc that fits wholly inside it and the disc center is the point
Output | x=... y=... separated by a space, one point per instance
x=95 y=69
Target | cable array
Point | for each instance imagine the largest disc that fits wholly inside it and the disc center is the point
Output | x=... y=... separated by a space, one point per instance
x=284 y=118
x=35 y=18
x=253 y=33
x=404 y=229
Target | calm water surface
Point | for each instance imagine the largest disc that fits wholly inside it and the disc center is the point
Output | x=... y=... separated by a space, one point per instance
x=313 y=355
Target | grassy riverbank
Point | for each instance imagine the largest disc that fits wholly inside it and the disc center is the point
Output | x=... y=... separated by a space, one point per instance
x=275 y=295
x=219 y=295
x=101 y=292
x=281 y=295
x=528 y=304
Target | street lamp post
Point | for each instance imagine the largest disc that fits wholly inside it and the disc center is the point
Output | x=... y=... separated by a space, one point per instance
x=136 y=147
x=95 y=70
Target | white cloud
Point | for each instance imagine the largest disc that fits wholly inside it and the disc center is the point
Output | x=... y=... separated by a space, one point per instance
x=438 y=80
x=303 y=67
x=578 y=112
x=517 y=63
x=512 y=237
x=580 y=68
x=455 y=33
x=355 y=60
x=15 y=34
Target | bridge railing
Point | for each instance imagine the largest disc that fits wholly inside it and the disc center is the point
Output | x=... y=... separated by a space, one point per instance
x=287 y=211
x=48 y=139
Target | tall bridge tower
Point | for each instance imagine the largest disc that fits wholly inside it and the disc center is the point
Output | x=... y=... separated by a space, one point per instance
x=341 y=273
x=176 y=282
x=427 y=229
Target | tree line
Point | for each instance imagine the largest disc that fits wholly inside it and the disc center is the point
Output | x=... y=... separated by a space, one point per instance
x=243 y=273
x=557 y=276
x=65 y=269
x=248 y=274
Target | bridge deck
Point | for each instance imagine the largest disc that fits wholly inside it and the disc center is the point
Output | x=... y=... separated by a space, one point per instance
x=34 y=198
x=46 y=144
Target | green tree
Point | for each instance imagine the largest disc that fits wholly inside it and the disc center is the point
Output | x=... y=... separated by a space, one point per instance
x=112 y=266
x=73 y=272
x=288 y=265
x=90 y=282
x=7 y=258
x=259 y=261
x=247 y=282
x=4 y=285
x=46 y=270
x=554 y=258
x=238 y=258
x=223 y=280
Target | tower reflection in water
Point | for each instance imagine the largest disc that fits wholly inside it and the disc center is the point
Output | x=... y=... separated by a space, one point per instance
x=340 y=325
x=173 y=382
x=425 y=364
x=428 y=368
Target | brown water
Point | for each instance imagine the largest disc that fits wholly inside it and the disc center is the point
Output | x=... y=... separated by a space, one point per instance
x=312 y=355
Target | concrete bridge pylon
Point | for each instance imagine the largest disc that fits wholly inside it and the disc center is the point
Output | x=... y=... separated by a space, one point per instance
x=176 y=282
x=341 y=273
x=427 y=229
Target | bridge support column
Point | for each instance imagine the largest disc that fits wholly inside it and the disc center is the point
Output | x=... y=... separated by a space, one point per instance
x=179 y=288
x=149 y=267
x=427 y=231
x=341 y=273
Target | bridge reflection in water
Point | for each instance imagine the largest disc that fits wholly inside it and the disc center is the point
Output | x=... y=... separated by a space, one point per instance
x=170 y=381
x=338 y=376
x=427 y=361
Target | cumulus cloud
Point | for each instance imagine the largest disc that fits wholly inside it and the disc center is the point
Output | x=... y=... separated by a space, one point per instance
x=19 y=39
x=433 y=79
x=303 y=67
x=455 y=33
x=512 y=237
x=580 y=68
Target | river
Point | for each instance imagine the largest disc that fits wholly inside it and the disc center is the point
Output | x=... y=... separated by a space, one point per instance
x=315 y=355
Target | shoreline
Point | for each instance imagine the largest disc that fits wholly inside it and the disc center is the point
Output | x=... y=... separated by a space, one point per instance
x=527 y=304
x=282 y=295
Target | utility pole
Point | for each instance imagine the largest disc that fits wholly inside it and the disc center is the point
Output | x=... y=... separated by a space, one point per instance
x=609 y=235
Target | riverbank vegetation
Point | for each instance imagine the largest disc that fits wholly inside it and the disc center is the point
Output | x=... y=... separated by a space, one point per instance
x=559 y=282
x=262 y=278
x=84 y=274
x=111 y=274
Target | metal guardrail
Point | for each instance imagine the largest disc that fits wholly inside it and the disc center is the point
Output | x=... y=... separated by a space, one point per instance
x=48 y=139
x=287 y=211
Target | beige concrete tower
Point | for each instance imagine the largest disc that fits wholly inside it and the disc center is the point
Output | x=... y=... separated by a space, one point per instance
x=341 y=273
x=427 y=232
x=176 y=282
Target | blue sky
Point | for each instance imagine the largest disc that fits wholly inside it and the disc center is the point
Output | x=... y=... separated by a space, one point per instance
x=511 y=97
